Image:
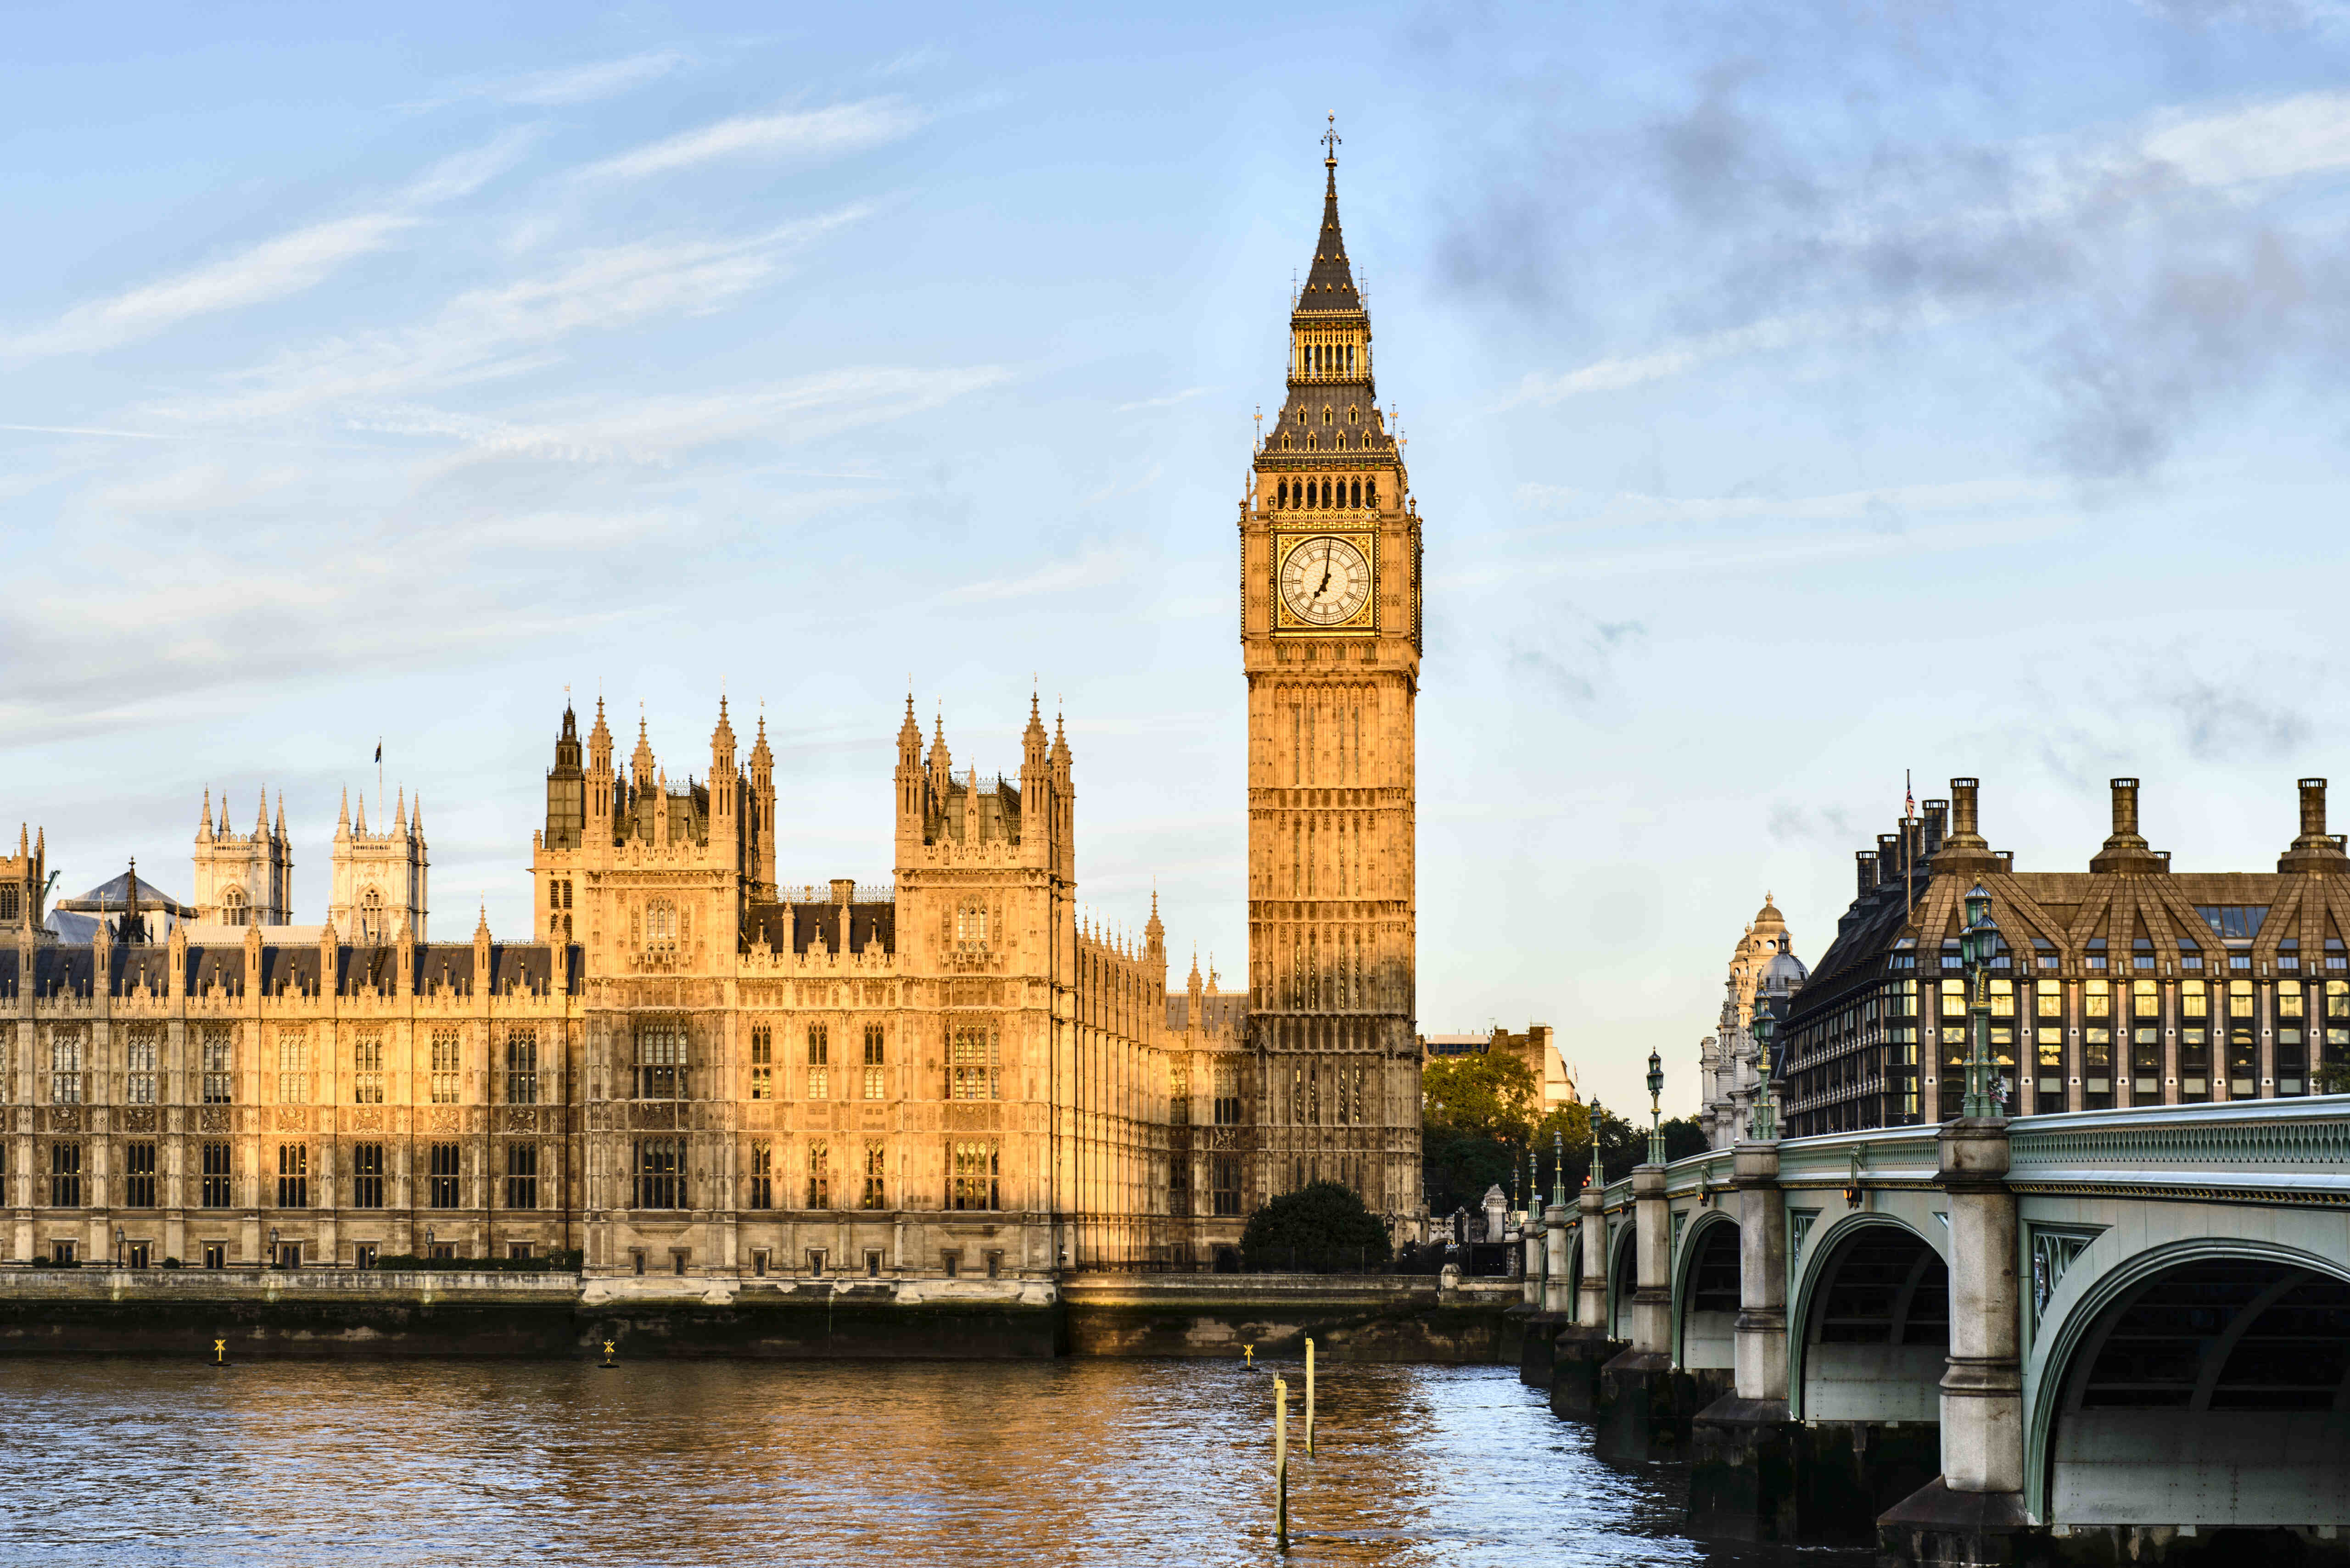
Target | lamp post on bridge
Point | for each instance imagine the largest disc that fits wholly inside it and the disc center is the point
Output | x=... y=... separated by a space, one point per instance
x=1977 y=944
x=1763 y=1117
x=1655 y=1127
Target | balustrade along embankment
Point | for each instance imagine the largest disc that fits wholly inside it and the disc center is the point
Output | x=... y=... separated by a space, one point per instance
x=2101 y=1337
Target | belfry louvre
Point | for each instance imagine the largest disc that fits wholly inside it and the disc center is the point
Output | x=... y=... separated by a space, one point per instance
x=2123 y=985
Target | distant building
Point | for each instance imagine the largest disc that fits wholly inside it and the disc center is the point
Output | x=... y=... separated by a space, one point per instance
x=2126 y=983
x=1764 y=969
x=1535 y=1048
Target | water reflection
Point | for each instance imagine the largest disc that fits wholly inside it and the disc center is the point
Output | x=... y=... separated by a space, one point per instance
x=1093 y=1462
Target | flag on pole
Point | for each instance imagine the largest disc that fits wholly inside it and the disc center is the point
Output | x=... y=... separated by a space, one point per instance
x=378 y=750
x=1908 y=796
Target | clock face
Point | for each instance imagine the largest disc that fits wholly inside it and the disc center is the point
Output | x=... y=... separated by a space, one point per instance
x=1325 y=580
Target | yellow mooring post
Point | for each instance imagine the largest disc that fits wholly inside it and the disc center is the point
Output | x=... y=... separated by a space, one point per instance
x=607 y=1354
x=1281 y=1463
x=220 y=1353
x=1309 y=1397
x=1249 y=1353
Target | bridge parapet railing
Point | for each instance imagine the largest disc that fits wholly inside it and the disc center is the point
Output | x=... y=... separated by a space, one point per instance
x=1876 y=1158
x=2299 y=1146
x=1695 y=1173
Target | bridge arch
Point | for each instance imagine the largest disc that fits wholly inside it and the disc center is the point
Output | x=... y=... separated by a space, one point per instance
x=1705 y=1294
x=2204 y=1382
x=1870 y=1327
x=1623 y=1276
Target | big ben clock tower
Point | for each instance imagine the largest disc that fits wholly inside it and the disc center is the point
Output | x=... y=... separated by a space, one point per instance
x=1330 y=638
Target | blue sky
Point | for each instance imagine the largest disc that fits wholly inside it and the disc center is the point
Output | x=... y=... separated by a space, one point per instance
x=1797 y=394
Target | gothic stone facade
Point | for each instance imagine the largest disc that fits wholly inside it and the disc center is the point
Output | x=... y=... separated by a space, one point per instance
x=697 y=1071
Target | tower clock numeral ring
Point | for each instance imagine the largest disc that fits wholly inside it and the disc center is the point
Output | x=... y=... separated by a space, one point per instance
x=1325 y=580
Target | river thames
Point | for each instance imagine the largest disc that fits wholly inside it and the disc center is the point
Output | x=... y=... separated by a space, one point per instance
x=901 y=1462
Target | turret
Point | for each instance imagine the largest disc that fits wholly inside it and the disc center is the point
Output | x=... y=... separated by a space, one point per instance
x=566 y=789
x=599 y=815
x=909 y=781
x=763 y=812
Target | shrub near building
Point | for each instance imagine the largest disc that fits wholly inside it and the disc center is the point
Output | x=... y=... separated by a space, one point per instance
x=1322 y=1228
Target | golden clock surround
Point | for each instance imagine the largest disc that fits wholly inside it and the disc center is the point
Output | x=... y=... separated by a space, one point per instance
x=1364 y=622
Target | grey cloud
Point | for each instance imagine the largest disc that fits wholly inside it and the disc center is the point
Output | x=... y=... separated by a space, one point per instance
x=2220 y=723
x=1828 y=826
x=1571 y=659
x=2135 y=278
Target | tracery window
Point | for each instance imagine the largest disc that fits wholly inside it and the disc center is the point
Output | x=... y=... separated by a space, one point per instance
x=138 y=1065
x=366 y=1070
x=293 y=1175
x=232 y=908
x=763 y=1056
x=139 y=1176
x=65 y=1175
x=1178 y=1097
x=660 y=1060
x=65 y=1066
x=660 y=1174
x=877 y=1167
x=522 y=1067
x=446 y=1175
x=975 y=1182
x=971 y=927
x=660 y=922
x=293 y=1065
x=819 y=1062
x=763 y=1175
x=219 y=1063
x=819 y=1174
x=971 y=1064
x=447 y=1068
x=367 y=1176
x=521 y=1176
x=876 y=1074
x=216 y=1176
x=372 y=929
x=1228 y=1097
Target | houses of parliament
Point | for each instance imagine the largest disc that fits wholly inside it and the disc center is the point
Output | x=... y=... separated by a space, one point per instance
x=691 y=1068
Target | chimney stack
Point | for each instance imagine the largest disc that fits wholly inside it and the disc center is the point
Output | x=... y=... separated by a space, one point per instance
x=2315 y=849
x=1938 y=824
x=1964 y=852
x=2126 y=850
x=1888 y=856
x=1865 y=865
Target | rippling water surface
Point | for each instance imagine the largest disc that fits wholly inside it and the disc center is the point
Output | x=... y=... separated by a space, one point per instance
x=1091 y=1461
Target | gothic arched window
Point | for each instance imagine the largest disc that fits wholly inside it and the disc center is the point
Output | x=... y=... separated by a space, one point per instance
x=1355 y=490
x=371 y=928
x=233 y=907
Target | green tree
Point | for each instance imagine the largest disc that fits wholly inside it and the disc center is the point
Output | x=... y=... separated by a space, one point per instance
x=1319 y=1229
x=1488 y=1094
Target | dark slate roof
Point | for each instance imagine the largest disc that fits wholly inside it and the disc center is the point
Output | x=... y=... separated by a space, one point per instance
x=113 y=895
x=1220 y=1011
x=1330 y=284
x=794 y=927
x=141 y=964
x=223 y=966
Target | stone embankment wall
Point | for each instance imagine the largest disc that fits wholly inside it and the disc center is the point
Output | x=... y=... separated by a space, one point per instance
x=341 y=1314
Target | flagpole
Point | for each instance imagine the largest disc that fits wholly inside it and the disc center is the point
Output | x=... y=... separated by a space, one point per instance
x=378 y=779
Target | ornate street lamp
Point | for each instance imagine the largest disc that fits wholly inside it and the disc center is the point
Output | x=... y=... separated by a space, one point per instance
x=1655 y=1127
x=273 y=1247
x=1597 y=1178
x=1558 y=1167
x=1976 y=945
x=1762 y=1115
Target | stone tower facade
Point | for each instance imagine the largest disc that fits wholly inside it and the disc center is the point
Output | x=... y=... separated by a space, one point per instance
x=244 y=878
x=1330 y=640
x=378 y=885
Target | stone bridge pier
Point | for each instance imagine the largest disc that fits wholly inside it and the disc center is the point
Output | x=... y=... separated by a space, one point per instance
x=2097 y=1337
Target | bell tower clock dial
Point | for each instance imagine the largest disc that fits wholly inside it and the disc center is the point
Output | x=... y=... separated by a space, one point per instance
x=1330 y=641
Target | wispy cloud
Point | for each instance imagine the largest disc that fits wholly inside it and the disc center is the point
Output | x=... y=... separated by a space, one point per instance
x=274 y=269
x=1169 y=401
x=788 y=133
x=1885 y=506
x=585 y=83
x=503 y=330
x=1093 y=568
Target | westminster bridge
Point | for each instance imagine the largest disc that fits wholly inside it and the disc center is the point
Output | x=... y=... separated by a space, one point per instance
x=2097 y=1337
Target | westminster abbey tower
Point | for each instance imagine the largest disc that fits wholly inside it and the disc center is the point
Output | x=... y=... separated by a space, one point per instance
x=1330 y=638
